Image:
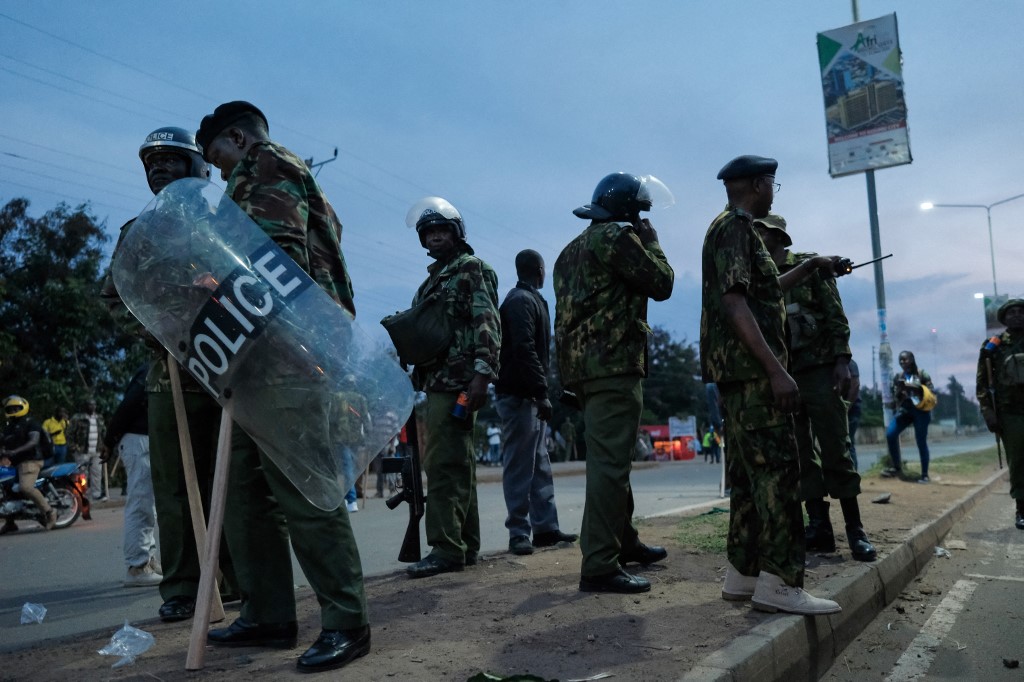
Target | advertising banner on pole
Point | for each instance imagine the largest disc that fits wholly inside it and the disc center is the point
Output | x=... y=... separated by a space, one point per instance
x=865 y=110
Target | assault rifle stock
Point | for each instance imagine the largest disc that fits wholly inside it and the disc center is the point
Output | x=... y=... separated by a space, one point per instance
x=411 y=492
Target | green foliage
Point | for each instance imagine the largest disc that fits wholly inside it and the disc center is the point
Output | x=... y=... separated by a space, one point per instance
x=58 y=344
x=673 y=387
x=870 y=407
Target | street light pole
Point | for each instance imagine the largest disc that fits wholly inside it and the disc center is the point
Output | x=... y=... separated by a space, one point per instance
x=988 y=213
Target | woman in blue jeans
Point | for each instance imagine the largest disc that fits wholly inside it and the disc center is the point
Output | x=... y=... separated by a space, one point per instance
x=906 y=401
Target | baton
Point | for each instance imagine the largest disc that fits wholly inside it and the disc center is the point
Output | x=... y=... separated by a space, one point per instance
x=869 y=262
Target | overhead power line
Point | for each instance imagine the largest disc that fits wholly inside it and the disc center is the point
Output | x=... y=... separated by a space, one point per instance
x=103 y=56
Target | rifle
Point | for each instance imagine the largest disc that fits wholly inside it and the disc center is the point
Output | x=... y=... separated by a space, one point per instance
x=411 y=492
x=989 y=349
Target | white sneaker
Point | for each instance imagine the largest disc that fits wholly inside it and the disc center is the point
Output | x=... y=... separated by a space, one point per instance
x=738 y=587
x=353 y=507
x=155 y=565
x=771 y=595
x=142 y=576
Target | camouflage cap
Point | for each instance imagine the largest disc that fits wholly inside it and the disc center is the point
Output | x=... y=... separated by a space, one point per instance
x=748 y=166
x=776 y=222
x=1012 y=303
x=214 y=124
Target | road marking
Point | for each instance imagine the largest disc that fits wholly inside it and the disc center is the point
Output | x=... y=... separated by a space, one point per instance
x=917 y=659
x=982 y=576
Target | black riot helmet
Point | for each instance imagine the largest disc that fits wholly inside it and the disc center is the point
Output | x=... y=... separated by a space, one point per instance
x=431 y=211
x=621 y=196
x=177 y=141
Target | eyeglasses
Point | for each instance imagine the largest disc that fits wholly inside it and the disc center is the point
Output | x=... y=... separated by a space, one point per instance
x=776 y=187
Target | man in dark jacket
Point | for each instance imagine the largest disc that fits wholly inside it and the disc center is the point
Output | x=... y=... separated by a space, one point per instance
x=523 y=405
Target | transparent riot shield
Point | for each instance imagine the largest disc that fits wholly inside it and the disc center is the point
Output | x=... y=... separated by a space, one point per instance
x=314 y=391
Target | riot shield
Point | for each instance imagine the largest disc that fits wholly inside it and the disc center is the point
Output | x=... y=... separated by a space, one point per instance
x=315 y=392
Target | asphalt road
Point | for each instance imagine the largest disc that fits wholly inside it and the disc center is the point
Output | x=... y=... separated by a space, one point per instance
x=77 y=573
x=960 y=618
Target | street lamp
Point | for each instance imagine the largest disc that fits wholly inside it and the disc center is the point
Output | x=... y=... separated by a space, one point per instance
x=988 y=212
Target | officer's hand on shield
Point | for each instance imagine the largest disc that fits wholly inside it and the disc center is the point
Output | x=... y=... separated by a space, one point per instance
x=477 y=392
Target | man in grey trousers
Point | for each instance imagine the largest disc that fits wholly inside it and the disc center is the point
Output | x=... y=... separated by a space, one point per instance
x=523 y=405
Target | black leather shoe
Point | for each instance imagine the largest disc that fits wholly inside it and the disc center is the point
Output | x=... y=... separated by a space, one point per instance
x=334 y=648
x=432 y=565
x=552 y=537
x=860 y=548
x=244 y=633
x=1020 y=520
x=617 y=581
x=520 y=545
x=177 y=608
x=642 y=554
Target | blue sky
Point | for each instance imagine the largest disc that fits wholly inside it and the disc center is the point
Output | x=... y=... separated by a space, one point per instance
x=514 y=111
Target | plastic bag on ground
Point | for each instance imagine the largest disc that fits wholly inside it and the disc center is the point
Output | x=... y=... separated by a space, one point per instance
x=129 y=643
x=32 y=613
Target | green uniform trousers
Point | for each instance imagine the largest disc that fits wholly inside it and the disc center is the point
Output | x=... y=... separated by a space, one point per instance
x=178 y=554
x=828 y=468
x=452 y=517
x=766 y=524
x=1012 y=427
x=263 y=510
x=611 y=419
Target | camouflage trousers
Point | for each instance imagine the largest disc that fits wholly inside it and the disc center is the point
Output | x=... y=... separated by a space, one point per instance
x=766 y=525
x=1012 y=426
x=826 y=468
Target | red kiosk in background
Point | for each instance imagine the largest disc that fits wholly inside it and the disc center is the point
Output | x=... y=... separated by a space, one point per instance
x=670 y=449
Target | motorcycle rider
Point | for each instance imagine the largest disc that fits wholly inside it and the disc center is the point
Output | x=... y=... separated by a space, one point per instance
x=21 y=448
x=170 y=154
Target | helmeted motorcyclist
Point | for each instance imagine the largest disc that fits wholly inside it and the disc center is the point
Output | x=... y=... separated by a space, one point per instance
x=21 y=437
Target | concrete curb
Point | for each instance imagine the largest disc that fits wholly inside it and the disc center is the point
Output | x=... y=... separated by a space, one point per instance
x=787 y=647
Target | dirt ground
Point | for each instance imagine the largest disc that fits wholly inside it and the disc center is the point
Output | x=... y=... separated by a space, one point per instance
x=518 y=615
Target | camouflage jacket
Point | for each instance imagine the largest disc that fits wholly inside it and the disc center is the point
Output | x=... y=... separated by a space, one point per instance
x=275 y=188
x=735 y=260
x=78 y=433
x=818 y=329
x=471 y=294
x=602 y=281
x=1007 y=362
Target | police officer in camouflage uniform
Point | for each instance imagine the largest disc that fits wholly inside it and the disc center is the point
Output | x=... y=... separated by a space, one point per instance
x=1000 y=383
x=743 y=350
x=170 y=154
x=819 y=358
x=264 y=509
x=470 y=290
x=603 y=280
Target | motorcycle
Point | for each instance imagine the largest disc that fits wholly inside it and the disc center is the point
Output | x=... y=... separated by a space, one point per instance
x=63 y=485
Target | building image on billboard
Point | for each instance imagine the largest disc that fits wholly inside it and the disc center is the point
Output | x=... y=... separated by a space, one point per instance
x=865 y=108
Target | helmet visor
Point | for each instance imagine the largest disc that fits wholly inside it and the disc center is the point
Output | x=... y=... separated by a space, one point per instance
x=430 y=209
x=653 y=193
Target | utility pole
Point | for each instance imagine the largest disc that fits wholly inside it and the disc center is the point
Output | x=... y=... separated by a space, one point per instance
x=320 y=164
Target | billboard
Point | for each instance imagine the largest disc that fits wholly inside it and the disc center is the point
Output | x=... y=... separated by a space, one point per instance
x=865 y=111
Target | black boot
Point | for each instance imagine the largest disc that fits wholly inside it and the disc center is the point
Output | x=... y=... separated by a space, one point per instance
x=818 y=535
x=1020 y=515
x=860 y=547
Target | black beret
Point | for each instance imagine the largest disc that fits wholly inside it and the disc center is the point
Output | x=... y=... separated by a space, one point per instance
x=748 y=166
x=223 y=116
